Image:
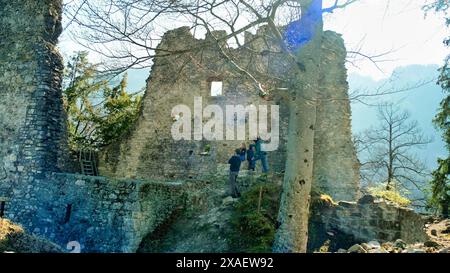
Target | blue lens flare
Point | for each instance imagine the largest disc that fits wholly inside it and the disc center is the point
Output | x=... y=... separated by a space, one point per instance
x=300 y=32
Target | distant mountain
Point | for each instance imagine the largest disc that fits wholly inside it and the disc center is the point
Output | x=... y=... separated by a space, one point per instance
x=422 y=102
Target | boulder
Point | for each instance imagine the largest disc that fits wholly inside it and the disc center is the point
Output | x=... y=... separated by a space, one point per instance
x=365 y=246
x=374 y=245
x=434 y=232
x=378 y=251
x=400 y=244
x=388 y=246
x=356 y=249
x=366 y=199
x=415 y=250
x=446 y=230
x=431 y=244
x=444 y=250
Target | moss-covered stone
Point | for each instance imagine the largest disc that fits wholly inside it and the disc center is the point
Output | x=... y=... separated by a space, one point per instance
x=254 y=218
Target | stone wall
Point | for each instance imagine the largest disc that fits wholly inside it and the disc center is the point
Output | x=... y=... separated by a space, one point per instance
x=103 y=215
x=368 y=219
x=178 y=76
x=336 y=166
x=149 y=151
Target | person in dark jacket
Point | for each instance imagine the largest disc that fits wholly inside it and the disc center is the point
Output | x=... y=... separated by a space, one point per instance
x=251 y=158
x=261 y=155
x=235 y=165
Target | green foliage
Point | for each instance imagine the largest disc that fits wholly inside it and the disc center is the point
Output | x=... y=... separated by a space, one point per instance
x=443 y=117
x=255 y=230
x=207 y=148
x=326 y=247
x=441 y=6
x=440 y=198
x=120 y=112
x=392 y=195
x=97 y=113
x=440 y=188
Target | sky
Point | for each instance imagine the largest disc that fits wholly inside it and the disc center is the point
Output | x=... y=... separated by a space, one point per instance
x=373 y=27
x=399 y=27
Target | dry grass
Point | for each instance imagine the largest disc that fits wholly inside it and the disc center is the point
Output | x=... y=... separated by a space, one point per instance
x=326 y=199
x=7 y=227
x=390 y=195
x=14 y=239
x=7 y=230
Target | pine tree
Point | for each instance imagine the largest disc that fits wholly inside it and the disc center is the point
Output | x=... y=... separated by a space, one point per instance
x=440 y=184
x=97 y=113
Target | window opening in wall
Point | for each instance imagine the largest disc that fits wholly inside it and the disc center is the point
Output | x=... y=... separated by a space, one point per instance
x=2 y=208
x=68 y=213
x=216 y=88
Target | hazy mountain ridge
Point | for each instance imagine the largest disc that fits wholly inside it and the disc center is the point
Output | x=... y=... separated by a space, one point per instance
x=422 y=102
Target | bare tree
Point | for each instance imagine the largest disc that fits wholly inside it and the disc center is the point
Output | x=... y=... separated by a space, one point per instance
x=387 y=150
x=371 y=96
x=127 y=32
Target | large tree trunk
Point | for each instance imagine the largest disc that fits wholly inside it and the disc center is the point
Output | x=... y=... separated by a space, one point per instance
x=292 y=232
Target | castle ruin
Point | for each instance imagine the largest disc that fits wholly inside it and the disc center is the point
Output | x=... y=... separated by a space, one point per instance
x=149 y=151
x=140 y=187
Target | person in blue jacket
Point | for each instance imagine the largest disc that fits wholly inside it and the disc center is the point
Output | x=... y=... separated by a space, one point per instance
x=243 y=152
x=261 y=155
x=251 y=158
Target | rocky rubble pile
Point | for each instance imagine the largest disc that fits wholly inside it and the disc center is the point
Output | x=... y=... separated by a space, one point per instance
x=438 y=232
x=398 y=246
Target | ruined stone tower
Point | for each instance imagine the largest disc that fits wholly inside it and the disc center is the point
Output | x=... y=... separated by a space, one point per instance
x=149 y=150
x=36 y=190
x=32 y=138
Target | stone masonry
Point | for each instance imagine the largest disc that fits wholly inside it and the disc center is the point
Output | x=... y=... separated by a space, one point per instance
x=103 y=215
x=32 y=120
x=363 y=221
x=149 y=151
x=114 y=214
